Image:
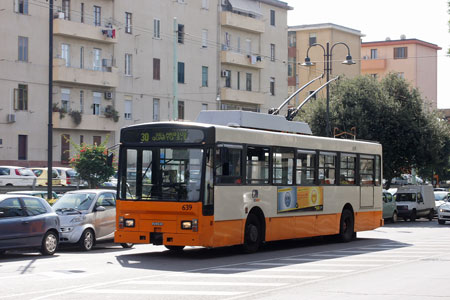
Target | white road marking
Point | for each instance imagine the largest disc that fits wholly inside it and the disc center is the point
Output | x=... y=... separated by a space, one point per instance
x=363 y=256
x=156 y=292
x=313 y=264
x=284 y=270
x=192 y=283
x=344 y=259
x=251 y=276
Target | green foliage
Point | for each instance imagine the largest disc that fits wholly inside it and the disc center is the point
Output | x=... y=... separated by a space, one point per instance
x=110 y=112
x=91 y=163
x=389 y=112
x=76 y=116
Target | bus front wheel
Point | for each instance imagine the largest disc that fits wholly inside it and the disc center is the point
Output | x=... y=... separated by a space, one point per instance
x=252 y=236
x=346 y=230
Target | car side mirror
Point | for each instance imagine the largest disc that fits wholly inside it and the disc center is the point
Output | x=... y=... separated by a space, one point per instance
x=100 y=208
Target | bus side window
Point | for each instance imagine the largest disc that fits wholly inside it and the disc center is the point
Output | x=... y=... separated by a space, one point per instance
x=282 y=166
x=306 y=167
x=229 y=164
x=257 y=165
x=327 y=168
x=347 y=169
x=366 y=169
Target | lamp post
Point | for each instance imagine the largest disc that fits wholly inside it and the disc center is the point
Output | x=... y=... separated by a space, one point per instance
x=327 y=68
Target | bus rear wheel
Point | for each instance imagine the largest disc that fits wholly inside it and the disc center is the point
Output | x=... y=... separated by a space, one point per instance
x=346 y=230
x=252 y=235
x=174 y=248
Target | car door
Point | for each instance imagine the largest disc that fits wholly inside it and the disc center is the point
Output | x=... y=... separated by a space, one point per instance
x=13 y=228
x=421 y=205
x=105 y=220
x=35 y=219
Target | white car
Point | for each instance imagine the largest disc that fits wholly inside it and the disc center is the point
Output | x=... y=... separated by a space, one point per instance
x=440 y=198
x=16 y=176
x=444 y=213
x=68 y=176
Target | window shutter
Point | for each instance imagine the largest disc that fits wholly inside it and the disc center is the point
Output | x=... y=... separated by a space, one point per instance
x=16 y=99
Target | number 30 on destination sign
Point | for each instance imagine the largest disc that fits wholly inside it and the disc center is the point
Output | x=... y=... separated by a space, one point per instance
x=145 y=137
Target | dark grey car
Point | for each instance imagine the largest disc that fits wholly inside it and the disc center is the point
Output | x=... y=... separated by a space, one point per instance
x=28 y=222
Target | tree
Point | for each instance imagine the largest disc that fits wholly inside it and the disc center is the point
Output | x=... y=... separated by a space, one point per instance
x=387 y=111
x=91 y=163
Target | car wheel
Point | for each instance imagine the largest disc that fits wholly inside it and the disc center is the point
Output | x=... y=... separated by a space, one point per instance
x=252 y=236
x=127 y=245
x=413 y=216
x=49 y=243
x=346 y=228
x=174 y=248
x=441 y=222
x=394 y=217
x=87 y=240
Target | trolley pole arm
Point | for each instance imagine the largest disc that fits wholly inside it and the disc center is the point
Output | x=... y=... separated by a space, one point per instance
x=292 y=113
x=276 y=111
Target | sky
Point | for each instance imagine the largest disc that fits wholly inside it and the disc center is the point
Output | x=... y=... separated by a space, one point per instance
x=425 y=20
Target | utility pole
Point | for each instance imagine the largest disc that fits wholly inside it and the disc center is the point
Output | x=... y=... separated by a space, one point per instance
x=50 y=102
x=175 y=70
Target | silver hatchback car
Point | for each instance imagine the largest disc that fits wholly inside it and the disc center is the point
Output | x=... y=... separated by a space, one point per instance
x=87 y=216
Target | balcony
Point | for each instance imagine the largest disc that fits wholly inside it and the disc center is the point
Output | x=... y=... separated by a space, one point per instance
x=243 y=60
x=227 y=94
x=88 y=122
x=241 y=22
x=82 y=31
x=373 y=64
x=62 y=73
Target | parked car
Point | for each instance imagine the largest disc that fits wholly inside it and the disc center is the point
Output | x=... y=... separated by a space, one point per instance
x=40 y=194
x=389 y=207
x=444 y=213
x=441 y=198
x=27 y=222
x=68 y=176
x=17 y=176
x=415 y=201
x=41 y=176
x=87 y=216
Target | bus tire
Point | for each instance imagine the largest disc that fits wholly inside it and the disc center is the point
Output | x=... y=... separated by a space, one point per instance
x=252 y=235
x=127 y=245
x=347 y=225
x=174 y=248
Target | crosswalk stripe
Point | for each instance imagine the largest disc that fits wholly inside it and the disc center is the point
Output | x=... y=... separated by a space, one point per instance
x=158 y=292
x=285 y=270
x=197 y=283
x=317 y=264
x=272 y=276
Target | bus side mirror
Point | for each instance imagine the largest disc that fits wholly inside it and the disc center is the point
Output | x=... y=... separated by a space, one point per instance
x=109 y=159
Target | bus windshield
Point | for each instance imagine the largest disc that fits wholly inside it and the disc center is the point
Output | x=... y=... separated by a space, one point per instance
x=170 y=174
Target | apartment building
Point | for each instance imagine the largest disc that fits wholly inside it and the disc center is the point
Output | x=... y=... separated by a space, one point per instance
x=114 y=65
x=412 y=59
x=301 y=37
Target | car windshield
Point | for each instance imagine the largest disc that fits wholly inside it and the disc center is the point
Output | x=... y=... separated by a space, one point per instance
x=74 y=201
x=26 y=172
x=440 y=196
x=405 y=197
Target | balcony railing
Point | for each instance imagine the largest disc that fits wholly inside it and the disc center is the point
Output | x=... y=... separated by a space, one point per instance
x=106 y=76
x=228 y=94
x=241 y=59
x=88 y=122
x=241 y=22
x=84 y=31
x=373 y=64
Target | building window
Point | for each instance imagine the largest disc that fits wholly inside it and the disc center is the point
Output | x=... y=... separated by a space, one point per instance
x=81 y=102
x=81 y=57
x=272 y=17
x=272 y=52
x=81 y=139
x=180 y=72
x=238 y=48
x=97 y=15
x=23 y=48
x=82 y=13
x=291 y=66
x=373 y=53
x=180 y=110
x=21 y=7
x=205 y=4
x=65 y=148
x=97 y=140
x=228 y=78
x=204 y=38
x=204 y=76
x=23 y=147
x=156 y=28
x=314 y=97
x=21 y=97
x=401 y=75
x=128 y=109
x=248 y=81
x=292 y=39
x=227 y=45
x=272 y=86
x=128 y=64
x=65 y=54
x=97 y=59
x=96 y=103
x=155 y=109
x=204 y=106
x=128 y=23
x=66 y=9
x=180 y=33
x=65 y=100
x=249 y=46
x=401 y=52
x=156 y=69
x=312 y=38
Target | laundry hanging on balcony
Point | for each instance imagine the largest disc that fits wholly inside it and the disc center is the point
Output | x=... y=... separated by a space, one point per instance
x=111 y=33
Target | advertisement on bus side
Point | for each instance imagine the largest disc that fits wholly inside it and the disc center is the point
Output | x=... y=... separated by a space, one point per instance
x=305 y=198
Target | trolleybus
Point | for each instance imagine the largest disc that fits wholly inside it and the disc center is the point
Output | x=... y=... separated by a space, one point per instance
x=237 y=178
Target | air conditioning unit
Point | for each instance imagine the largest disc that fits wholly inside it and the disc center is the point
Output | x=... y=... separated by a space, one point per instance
x=365 y=57
x=224 y=73
x=11 y=118
x=108 y=95
x=60 y=15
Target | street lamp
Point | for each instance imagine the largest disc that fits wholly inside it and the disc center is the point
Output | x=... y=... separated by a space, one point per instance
x=327 y=67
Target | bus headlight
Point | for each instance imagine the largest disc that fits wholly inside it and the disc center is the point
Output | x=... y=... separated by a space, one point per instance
x=129 y=222
x=120 y=222
x=186 y=225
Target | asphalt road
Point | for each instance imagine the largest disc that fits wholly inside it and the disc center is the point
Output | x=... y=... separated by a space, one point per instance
x=397 y=261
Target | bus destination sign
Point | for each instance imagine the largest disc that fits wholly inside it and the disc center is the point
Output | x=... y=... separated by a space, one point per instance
x=163 y=135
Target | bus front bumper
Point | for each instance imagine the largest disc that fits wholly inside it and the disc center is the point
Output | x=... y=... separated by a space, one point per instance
x=157 y=238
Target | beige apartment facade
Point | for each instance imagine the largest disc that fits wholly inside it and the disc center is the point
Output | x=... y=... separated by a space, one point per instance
x=114 y=66
x=412 y=59
x=301 y=37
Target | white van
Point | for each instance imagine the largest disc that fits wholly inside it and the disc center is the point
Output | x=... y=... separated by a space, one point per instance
x=415 y=201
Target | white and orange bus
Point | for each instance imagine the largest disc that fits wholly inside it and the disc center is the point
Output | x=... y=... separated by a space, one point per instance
x=218 y=184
